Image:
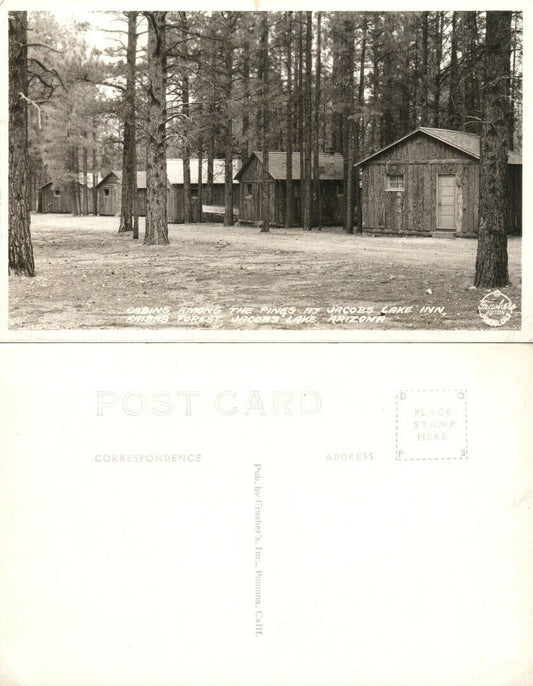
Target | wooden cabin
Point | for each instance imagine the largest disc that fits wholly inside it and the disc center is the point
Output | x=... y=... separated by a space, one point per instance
x=59 y=198
x=427 y=184
x=212 y=205
x=250 y=179
x=109 y=194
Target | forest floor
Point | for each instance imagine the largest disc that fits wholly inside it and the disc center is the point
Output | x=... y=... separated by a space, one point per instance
x=89 y=276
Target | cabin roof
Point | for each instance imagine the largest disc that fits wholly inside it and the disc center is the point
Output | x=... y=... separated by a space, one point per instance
x=61 y=185
x=331 y=165
x=141 y=178
x=118 y=174
x=175 y=170
x=460 y=140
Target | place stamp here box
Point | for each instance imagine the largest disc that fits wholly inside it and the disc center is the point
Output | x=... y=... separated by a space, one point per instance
x=431 y=424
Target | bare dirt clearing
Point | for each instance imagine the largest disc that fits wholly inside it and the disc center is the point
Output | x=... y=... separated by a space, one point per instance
x=89 y=276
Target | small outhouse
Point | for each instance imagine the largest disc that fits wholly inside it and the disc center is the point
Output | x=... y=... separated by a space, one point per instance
x=109 y=198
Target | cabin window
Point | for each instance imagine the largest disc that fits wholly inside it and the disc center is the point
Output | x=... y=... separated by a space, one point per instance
x=340 y=190
x=194 y=194
x=106 y=192
x=57 y=193
x=395 y=182
x=248 y=190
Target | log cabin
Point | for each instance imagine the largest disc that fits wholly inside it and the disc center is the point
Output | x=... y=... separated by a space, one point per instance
x=427 y=184
x=250 y=179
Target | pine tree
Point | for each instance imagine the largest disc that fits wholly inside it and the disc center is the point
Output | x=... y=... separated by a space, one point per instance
x=307 y=194
x=491 y=260
x=316 y=145
x=265 y=188
x=349 y=29
x=20 y=245
x=156 y=171
x=129 y=162
x=289 y=191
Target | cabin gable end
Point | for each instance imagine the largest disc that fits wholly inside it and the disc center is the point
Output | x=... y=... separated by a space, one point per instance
x=420 y=148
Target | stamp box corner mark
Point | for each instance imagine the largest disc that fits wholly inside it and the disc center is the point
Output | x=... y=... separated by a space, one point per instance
x=431 y=424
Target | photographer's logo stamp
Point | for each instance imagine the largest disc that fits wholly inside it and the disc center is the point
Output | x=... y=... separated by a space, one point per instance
x=431 y=424
x=496 y=308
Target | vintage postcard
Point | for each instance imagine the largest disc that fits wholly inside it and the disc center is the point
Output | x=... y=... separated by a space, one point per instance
x=188 y=500
x=265 y=175
x=252 y=517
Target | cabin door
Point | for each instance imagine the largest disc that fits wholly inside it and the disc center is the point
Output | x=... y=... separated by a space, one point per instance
x=446 y=201
x=113 y=208
x=109 y=199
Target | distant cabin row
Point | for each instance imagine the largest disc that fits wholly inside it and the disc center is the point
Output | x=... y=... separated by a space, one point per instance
x=426 y=183
x=60 y=198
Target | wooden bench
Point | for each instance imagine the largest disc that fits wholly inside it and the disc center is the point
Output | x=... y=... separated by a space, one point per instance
x=218 y=210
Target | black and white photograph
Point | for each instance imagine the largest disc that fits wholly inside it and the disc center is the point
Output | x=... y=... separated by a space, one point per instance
x=254 y=171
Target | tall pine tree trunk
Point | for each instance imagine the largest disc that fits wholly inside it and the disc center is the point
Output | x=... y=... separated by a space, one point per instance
x=316 y=147
x=376 y=90
x=454 y=105
x=336 y=90
x=200 y=172
x=350 y=135
x=265 y=187
x=424 y=108
x=437 y=79
x=94 y=169
x=471 y=89
x=228 y=132
x=210 y=166
x=491 y=261
x=512 y=87
x=245 y=146
x=20 y=247
x=307 y=196
x=156 y=172
x=85 y=209
x=129 y=172
x=212 y=118
x=359 y=128
x=289 y=194
x=75 y=182
x=414 y=78
x=187 y=193
x=301 y=110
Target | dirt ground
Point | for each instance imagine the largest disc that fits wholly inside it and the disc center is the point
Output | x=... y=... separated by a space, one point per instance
x=211 y=276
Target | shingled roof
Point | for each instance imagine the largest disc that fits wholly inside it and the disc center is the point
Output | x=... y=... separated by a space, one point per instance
x=461 y=140
x=331 y=166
